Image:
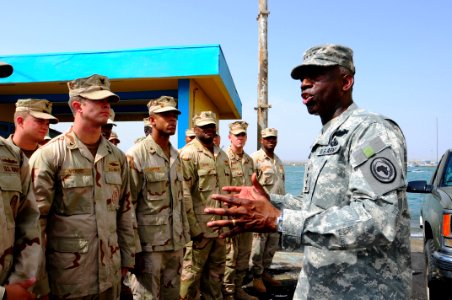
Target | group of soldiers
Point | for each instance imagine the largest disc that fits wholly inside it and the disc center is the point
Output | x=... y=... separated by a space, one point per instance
x=79 y=218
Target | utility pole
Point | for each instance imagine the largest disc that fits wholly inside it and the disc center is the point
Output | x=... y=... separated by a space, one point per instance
x=262 y=77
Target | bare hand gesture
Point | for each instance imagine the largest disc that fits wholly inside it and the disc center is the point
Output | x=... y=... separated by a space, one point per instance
x=19 y=290
x=249 y=208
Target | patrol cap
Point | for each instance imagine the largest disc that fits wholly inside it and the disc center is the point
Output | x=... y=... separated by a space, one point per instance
x=38 y=108
x=205 y=118
x=5 y=69
x=268 y=132
x=190 y=132
x=163 y=104
x=111 y=117
x=114 y=136
x=325 y=56
x=94 y=87
x=238 y=127
x=146 y=122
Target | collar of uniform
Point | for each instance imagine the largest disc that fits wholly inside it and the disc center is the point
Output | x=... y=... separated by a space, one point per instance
x=201 y=148
x=232 y=154
x=331 y=127
x=151 y=145
x=73 y=142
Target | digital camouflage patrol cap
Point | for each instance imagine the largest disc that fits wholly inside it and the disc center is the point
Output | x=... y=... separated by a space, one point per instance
x=238 y=127
x=38 y=108
x=268 y=132
x=94 y=87
x=205 y=118
x=163 y=104
x=5 y=69
x=325 y=56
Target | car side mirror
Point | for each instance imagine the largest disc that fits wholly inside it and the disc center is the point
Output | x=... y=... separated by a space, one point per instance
x=419 y=186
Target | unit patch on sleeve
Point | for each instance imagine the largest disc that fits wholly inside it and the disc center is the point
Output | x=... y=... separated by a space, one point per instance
x=383 y=170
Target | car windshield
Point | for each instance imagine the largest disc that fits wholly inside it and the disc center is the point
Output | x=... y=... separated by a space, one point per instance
x=447 y=178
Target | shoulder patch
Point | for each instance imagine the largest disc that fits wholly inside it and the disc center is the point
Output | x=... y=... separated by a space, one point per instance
x=383 y=169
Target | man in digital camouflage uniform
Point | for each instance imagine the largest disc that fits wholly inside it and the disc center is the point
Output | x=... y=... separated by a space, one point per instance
x=206 y=171
x=352 y=216
x=31 y=120
x=156 y=190
x=270 y=174
x=238 y=248
x=20 y=244
x=81 y=182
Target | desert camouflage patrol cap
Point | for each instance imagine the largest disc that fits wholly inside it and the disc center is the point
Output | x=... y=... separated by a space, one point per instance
x=163 y=104
x=111 y=117
x=325 y=56
x=190 y=132
x=146 y=122
x=268 y=132
x=94 y=87
x=5 y=69
x=205 y=118
x=238 y=127
x=38 y=108
x=114 y=136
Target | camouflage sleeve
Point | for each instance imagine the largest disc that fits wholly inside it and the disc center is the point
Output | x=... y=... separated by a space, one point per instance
x=126 y=220
x=188 y=169
x=373 y=211
x=27 y=248
x=43 y=185
x=136 y=193
x=287 y=201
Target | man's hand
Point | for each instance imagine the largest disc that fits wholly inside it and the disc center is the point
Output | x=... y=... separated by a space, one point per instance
x=19 y=290
x=250 y=210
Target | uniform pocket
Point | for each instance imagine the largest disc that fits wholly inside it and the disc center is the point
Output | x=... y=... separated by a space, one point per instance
x=207 y=179
x=156 y=183
x=153 y=229
x=268 y=178
x=114 y=181
x=11 y=188
x=77 y=193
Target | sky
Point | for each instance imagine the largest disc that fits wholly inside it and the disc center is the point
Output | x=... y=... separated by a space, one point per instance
x=402 y=53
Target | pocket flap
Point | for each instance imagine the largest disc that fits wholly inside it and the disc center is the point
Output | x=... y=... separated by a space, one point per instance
x=113 y=177
x=76 y=179
x=68 y=245
x=153 y=220
x=156 y=176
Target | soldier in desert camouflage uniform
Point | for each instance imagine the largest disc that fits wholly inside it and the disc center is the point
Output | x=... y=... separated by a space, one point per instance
x=189 y=135
x=352 y=216
x=108 y=127
x=238 y=248
x=31 y=120
x=156 y=188
x=270 y=174
x=206 y=170
x=81 y=182
x=20 y=244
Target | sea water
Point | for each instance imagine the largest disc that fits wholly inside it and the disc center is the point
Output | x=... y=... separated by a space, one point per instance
x=294 y=184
